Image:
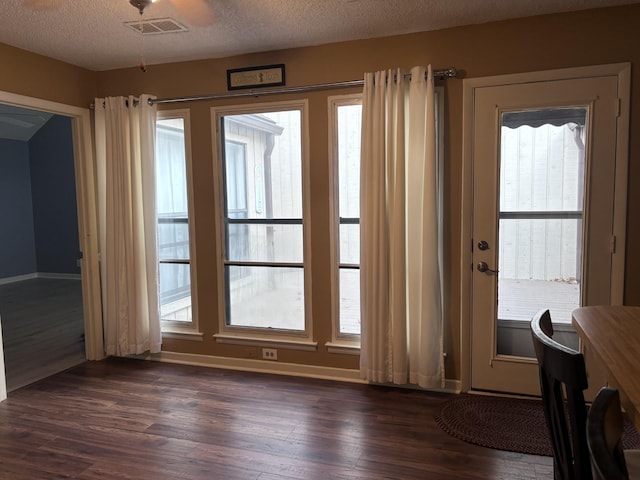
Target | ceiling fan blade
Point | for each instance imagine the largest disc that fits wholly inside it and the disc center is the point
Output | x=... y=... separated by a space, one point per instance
x=197 y=12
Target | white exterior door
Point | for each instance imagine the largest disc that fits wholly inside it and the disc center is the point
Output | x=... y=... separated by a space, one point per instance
x=543 y=206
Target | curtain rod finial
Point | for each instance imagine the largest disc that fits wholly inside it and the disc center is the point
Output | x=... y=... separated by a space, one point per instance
x=451 y=72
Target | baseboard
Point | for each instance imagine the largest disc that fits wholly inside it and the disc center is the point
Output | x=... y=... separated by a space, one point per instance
x=452 y=386
x=277 y=368
x=31 y=276
x=260 y=366
x=18 y=278
x=60 y=276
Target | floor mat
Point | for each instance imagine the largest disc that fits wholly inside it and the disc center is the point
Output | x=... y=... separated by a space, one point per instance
x=516 y=425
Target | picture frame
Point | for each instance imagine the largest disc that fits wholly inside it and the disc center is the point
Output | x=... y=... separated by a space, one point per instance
x=255 y=77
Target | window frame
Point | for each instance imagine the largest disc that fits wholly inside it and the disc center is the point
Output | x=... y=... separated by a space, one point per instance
x=244 y=335
x=172 y=328
x=340 y=342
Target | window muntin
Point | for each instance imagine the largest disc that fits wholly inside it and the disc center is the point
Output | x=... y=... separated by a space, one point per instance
x=172 y=206
x=263 y=233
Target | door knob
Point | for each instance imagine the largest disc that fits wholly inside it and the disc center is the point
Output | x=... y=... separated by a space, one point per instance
x=483 y=267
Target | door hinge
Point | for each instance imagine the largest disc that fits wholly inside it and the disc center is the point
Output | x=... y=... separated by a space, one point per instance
x=612 y=244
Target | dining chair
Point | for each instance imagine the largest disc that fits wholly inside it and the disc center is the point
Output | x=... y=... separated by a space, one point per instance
x=562 y=369
x=604 y=438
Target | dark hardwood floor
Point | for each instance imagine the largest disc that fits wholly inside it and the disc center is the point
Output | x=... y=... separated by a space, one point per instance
x=135 y=419
x=42 y=328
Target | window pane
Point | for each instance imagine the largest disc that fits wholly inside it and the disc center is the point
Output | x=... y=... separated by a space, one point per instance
x=173 y=239
x=350 y=244
x=266 y=297
x=263 y=164
x=542 y=168
x=539 y=260
x=265 y=243
x=171 y=172
x=349 y=127
x=350 y=301
x=175 y=292
x=173 y=226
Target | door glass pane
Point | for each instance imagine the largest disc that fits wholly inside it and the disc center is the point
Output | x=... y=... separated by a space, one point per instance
x=540 y=227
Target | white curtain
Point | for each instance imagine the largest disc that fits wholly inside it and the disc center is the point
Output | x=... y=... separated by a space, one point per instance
x=401 y=300
x=125 y=144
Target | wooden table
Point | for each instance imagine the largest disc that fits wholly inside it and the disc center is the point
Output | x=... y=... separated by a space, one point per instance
x=613 y=334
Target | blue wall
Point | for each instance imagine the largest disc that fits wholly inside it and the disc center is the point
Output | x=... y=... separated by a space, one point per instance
x=17 y=239
x=38 y=211
x=53 y=188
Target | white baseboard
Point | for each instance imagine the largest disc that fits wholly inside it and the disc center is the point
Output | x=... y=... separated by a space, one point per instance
x=260 y=366
x=30 y=276
x=278 y=368
x=60 y=276
x=452 y=386
x=18 y=278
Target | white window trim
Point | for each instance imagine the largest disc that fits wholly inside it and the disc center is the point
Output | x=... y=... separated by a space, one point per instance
x=174 y=329
x=235 y=334
x=340 y=343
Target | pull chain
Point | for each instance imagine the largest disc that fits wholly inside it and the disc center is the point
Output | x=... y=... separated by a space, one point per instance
x=143 y=65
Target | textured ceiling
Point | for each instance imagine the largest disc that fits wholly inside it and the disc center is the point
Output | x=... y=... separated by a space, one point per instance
x=92 y=34
x=20 y=123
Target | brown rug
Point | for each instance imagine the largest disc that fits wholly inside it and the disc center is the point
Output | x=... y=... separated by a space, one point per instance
x=506 y=424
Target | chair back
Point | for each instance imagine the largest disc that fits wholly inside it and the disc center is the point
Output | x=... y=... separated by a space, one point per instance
x=562 y=369
x=604 y=436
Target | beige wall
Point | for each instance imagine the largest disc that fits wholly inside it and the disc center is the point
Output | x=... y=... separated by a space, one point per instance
x=539 y=43
x=32 y=75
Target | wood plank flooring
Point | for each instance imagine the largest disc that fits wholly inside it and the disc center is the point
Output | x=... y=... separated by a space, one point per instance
x=135 y=419
x=42 y=328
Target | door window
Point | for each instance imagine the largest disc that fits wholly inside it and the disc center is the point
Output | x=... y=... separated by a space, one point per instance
x=540 y=220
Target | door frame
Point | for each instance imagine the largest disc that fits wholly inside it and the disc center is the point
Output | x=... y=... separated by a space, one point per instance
x=623 y=72
x=84 y=167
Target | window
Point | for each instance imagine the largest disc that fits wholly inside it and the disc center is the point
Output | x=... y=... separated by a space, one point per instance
x=345 y=122
x=345 y=135
x=172 y=205
x=262 y=162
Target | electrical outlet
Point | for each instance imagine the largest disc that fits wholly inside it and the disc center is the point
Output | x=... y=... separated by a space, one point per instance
x=269 y=354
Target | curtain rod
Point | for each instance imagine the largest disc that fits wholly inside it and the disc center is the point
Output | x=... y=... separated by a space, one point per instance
x=448 y=73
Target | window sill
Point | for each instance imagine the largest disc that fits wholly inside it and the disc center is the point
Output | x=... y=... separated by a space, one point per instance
x=183 y=334
x=267 y=342
x=343 y=347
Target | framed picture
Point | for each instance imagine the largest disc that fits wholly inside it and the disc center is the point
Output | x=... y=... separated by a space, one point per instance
x=252 y=77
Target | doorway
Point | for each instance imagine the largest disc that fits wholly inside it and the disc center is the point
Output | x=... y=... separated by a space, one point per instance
x=86 y=219
x=547 y=182
x=40 y=287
